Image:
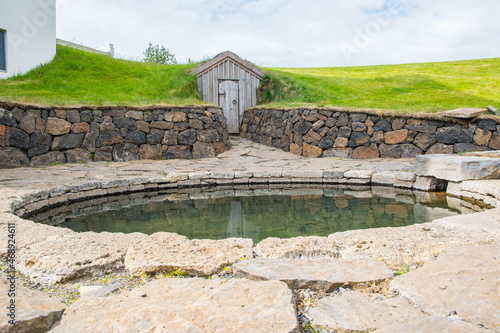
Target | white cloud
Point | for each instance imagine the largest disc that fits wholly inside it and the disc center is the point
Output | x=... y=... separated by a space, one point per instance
x=290 y=33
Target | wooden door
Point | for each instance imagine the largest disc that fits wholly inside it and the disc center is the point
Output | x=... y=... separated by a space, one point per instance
x=229 y=101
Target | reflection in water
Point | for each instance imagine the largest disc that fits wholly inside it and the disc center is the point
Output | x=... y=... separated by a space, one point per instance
x=271 y=213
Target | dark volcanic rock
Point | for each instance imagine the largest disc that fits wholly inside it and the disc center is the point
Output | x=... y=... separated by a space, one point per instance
x=125 y=152
x=50 y=158
x=454 y=134
x=187 y=137
x=136 y=137
x=68 y=141
x=17 y=138
x=40 y=143
x=325 y=143
x=177 y=152
x=12 y=158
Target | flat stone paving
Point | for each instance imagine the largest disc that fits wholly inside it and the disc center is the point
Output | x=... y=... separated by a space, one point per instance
x=466 y=278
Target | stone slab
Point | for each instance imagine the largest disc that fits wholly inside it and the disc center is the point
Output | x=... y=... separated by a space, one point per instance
x=65 y=257
x=34 y=310
x=411 y=245
x=466 y=113
x=320 y=274
x=457 y=168
x=99 y=291
x=187 y=305
x=463 y=281
x=166 y=252
x=358 y=312
x=312 y=247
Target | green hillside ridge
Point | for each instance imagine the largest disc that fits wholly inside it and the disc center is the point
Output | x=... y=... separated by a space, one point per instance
x=428 y=87
x=76 y=78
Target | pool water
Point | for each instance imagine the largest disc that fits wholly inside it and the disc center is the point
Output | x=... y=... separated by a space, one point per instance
x=253 y=214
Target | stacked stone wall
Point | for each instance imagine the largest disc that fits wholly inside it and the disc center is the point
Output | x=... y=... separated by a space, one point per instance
x=362 y=135
x=36 y=136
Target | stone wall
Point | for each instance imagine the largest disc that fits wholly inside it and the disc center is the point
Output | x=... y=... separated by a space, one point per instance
x=364 y=134
x=36 y=136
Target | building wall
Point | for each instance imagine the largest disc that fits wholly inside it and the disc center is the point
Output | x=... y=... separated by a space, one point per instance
x=30 y=27
x=364 y=135
x=229 y=70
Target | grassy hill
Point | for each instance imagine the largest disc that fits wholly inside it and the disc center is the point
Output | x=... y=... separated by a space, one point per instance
x=78 y=78
x=75 y=77
x=426 y=87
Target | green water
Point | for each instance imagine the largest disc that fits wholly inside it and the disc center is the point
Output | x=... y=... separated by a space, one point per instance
x=256 y=217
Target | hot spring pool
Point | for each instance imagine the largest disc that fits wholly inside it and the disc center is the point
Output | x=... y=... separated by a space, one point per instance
x=255 y=213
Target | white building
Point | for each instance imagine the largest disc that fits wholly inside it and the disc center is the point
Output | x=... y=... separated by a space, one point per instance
x=27 y=35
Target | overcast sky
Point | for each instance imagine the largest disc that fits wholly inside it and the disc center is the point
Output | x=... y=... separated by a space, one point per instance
x=290 y=33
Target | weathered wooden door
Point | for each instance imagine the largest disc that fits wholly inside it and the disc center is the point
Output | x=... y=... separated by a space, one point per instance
x=230 y=102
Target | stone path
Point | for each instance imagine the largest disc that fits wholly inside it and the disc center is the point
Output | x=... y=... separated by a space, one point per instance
x=464 y=276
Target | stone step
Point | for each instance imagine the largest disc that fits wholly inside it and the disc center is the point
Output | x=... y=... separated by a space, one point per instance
x=166 y=252
x=320 y=274
x=463 y=281
x=354 y=311
x=187 y=305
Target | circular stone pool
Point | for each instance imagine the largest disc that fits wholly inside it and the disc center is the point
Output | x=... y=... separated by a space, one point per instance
x=252 y=212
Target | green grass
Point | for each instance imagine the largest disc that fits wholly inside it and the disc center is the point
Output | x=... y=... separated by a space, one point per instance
x=79 y=78
x=428 y=87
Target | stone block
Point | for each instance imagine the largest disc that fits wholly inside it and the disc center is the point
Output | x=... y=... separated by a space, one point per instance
x=410 y=151
x=440 y=148
x=360 y=174
x=56 y=126
x=143 y=126
x=150 y=152
x=325 y=143
x=187 y=137
x=312 y=138
x=341 y=142
x=123 y=122
x=383 y=125
x=7 y=118
x=135 y=137
x=79 y=128
x=73 y=116
x=177 y=152
x=358 y=127
x=28 y=124
x=17 y=138
x=179 y=117
x=155 y=136
x=377 y=137
x=136 y=115
x=368 y=152
x=453 y=134
x=391 y=151
x=482 y=137
x=395 y=137
x=495 y=142
x=78 y=156
x=424 y=140
x=104 y=154
x=125 y=152
x=68 y=141
x=48 y=159
x=295 y=149
x=40 y=124
x=359 y=139
x=429 y=184
x=468 y=147
x=311 y=151
x=208 y=136
x=203 y=150
x=12 y=158
x=457 y=168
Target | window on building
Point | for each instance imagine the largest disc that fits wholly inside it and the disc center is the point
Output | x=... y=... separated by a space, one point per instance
x=3 y=51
